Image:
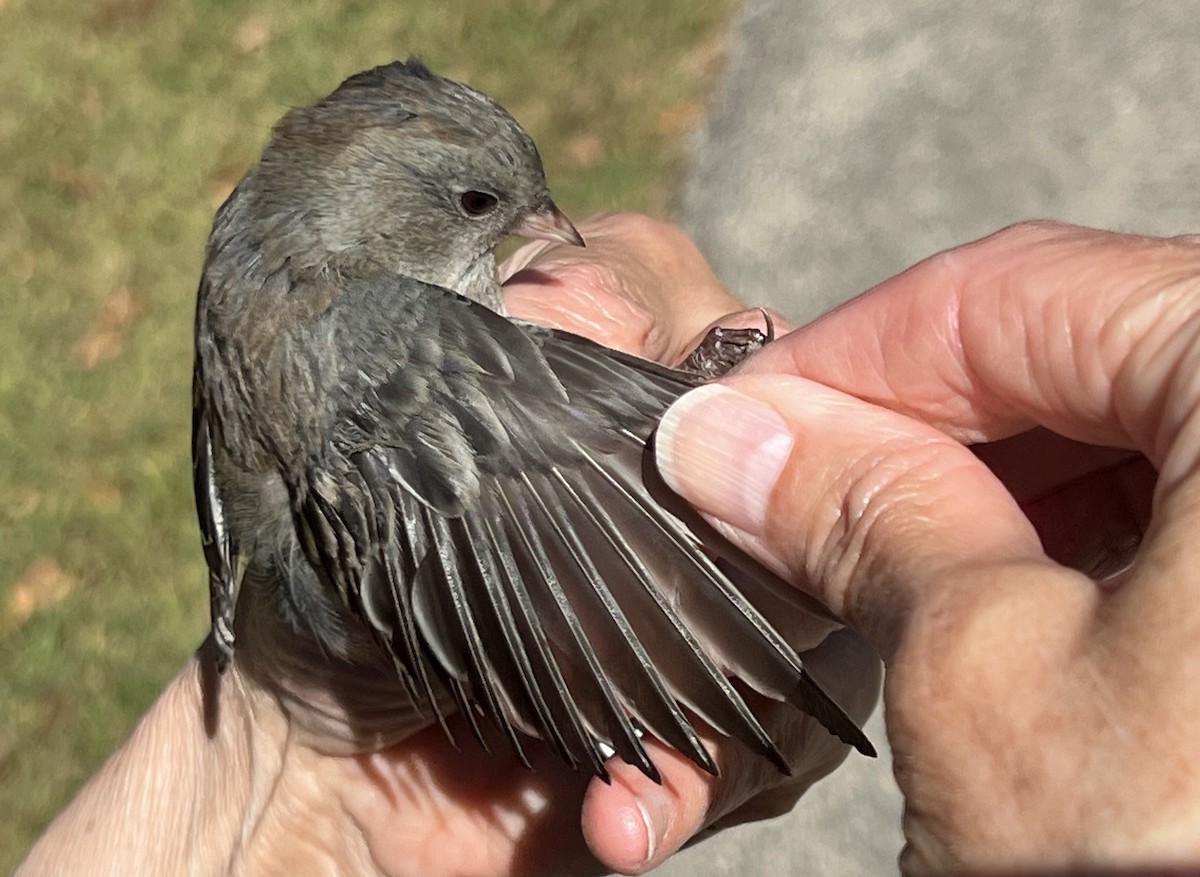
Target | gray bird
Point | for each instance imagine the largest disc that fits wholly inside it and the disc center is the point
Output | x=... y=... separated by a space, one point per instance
x=381 y=456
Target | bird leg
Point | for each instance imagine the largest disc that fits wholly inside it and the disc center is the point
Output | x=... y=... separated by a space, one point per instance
x=723 y=349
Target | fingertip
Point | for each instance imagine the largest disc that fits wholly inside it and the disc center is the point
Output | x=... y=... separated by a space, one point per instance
x=617 y=828
x=633 y=824
x=724 y=451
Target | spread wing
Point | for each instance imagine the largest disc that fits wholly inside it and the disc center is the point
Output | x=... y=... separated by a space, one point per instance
x=482 y=503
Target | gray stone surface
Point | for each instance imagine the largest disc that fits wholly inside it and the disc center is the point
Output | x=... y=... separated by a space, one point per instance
x=853 y=138
x=850 y=139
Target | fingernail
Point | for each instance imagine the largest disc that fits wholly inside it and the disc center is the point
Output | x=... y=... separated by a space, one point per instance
x=655 y=811
x=723 y=452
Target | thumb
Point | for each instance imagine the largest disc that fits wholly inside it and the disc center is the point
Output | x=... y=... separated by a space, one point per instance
x=865 y=508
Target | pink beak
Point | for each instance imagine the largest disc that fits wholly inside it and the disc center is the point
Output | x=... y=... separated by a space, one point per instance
x=548 y=223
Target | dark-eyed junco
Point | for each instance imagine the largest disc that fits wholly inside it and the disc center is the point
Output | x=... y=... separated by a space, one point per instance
x=383 y=458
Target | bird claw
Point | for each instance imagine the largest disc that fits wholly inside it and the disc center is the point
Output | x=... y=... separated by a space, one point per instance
x=722 y=349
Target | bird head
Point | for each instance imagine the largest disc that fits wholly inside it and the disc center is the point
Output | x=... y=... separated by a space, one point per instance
x=405 y=171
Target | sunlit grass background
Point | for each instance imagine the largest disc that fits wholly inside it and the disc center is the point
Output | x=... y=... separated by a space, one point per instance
x=123 y=124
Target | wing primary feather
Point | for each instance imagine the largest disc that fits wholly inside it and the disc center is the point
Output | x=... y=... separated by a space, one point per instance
x=497 y=576
x=799 y=689
x=670 y=721
x=687 y=543
x=402 y=659
x=467 y=709
x=414 y=542
x=447 y=551
x=319 y=534
x=729 y=713
x=536 y=570
x=812 y=699
x=411 y=666
x=388 y=617
x=504 y=658
x=620 y=732
x=398 y=569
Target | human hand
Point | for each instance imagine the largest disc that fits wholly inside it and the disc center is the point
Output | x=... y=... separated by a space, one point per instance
x=274 y=784
x=1036 y=614
x=639 y=285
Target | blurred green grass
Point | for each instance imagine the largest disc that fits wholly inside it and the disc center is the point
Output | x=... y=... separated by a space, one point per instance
x=123 y=125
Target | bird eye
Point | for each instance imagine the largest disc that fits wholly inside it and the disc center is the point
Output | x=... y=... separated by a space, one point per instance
x=478 y=203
